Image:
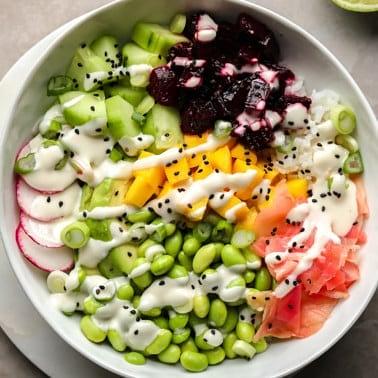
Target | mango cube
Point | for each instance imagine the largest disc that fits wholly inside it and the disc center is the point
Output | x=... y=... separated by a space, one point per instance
x=247 y=222
x=298 y=187
x=234 y=208
x=242 y=153
x=242 y=166
x=197 y=210
x=177 y=171
x=140 y=191
x=221 y=159
x=204 y=169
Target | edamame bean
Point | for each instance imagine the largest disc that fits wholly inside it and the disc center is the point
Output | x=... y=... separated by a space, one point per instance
x=144 y=246
x=249 y=276
x=217 y=313
x=154 y=312
x=243 y=349
x=91 y=305
x=142 y=215
x=170 y=228
x=263 y=280
x=245 y=331
x=215 y=356
x=213 y=219
x=173 y=243
x=189 y=345
x=160 y=232
x=194 y=361
x=242 y=238
x=145 y=279
x=116 y=340
x=232 y=256
x=202 y=343
x=177 y=320
x=171 y=355
x=202 y=231
x=161 y=342
x=231 y=320
x=261 y=346
x=185 y=260
x=125 y=292
x=203 y=258
x=239 y=281
x=191 y=246
x=177 y=271
x=218 y=251
x=162 y=264
x=253 y=261
x=91 y=331
x=161 y=322
x=180 y=335
x=135 y=358
x=228 y=343
x=201 y=305
x=124 y=257
x=222 y=232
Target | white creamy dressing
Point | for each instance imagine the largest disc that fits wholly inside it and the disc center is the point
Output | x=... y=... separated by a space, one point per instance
x=105 y=212
x=329 y=212
x=206 y=29
x=295 y=116
x=133 y=145
x=213 y=337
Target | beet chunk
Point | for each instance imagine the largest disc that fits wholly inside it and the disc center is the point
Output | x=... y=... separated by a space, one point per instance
x=257 y=140
x=184 y=49
x=163 y=86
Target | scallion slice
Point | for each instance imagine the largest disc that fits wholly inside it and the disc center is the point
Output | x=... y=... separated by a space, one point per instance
x=25 y=165
x=139 y=118
x=343 y=119
x=353 y=164
x=75 y=235
x=58 y=85
x=347 y=142
x=222 y=129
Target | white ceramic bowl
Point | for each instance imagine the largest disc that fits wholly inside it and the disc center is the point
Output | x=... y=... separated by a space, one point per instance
x=300 y=51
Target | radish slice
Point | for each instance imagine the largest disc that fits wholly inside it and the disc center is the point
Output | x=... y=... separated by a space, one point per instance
x=47 y=207
x=44 y=258
x=47 y=234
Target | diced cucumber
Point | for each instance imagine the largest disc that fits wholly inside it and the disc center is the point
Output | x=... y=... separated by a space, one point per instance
x=80 y=108
x=106 y=47
x=102 y=194
x=178 y=23
x=145 y=105
x=134 y=54
x=99 y=229
x=132 y=95
x=155 y=38
x=163 y=122
x=84 y=62
x=120 y=120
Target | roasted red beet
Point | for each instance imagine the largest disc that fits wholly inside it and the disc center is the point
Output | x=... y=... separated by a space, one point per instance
x=184 y=49
x=249 y=53
x=191 y=77
x=163 y=86
x=227 y=35
x=258 y=93
x=278 y=102
x=257 y=140
x=293 y=99
x=254 y=31
x=197 y=117
x=191 y=25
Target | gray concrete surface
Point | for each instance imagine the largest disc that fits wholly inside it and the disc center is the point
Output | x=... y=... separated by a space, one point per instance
x=354 y=40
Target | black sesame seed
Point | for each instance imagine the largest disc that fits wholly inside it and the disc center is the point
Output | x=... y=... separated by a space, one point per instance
x=133 y=312
x=176 y=173
x=93 y=109
x=322 y=195
x=270 y=325
x=162 y=283
x=302 y=229
x=77 y=131
x=287 y=282
x=205 y=340
x=278 y=257
x=98 y=291
x=221 y=196
x=136 y=332
x=215 y=288
x=129 y=254
x=85 y=214
x=169 y=210
x=213 y=331
x=267 y=198
x=60 y=203
x=98 y=130
x=108 y=151
x=48 y=199
x=337 y=156
x=291 y=123
x=180 y=150
x=193 y=287
x=72 y=154
x=80 y=64
x=83 y=45
x=190 y=205
x=254 y=197
x=305 y=121
x=314 y=200
x=267 y=241
x=323 y=208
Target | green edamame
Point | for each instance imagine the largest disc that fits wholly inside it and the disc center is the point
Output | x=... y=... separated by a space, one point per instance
x=91 y=305
x=191 y=246
x=180 y=335
x=173 y=243
x=242 y=238
x=231 y=320
x=142 y=215
x=161 y=342
x=185 y=260
x=202 y=231
x=222 y=232
x=245 y=331
x=202 y=343
x=228 y=343
x=249 y=276
x=263 y=280
x=232 y=256
x=91 y=331
x=171 y=355
x=217 y=313
x=160 y=232
x=189 y=345
x=178 y=271
x=177 y=320
x=215 y=356
x=218 y=251
x=116 y=340
x=135 y=358
x=170 y=228
x=161 y=322
x=261 y=346
x=253 y=261
x=162 y=264
x=201 y=305
x=194 y=361
x=203 y=258
x=141 y=252
x=145 y=279
x=125 y=292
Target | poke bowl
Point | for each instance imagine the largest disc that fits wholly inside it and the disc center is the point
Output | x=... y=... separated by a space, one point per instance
x=194 y=193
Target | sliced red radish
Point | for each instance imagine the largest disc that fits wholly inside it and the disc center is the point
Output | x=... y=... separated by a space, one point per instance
x=44 y=206
x=47 y=234
x=46 y=259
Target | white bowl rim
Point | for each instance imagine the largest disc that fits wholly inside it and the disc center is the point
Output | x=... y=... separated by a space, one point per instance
x=4 y=237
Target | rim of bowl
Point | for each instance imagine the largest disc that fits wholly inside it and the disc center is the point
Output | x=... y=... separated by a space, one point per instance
x=4 y=238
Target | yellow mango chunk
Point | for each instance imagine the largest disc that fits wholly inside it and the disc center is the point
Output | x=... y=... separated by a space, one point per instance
x=140 y=191
x=204 y=169
x=270 y=173
x=269 y=200
x=242 y=153
x=234 y=208
x=167 y=187
x=194 y=140
x=154 y=176
x=197 y=210
x=249 y=220
x=298 y=187
x=221 y=159
x=195 y=160
x=242 y=166
x=177 y=171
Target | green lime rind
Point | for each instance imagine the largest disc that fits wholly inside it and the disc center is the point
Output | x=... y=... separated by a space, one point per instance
x=362 y=6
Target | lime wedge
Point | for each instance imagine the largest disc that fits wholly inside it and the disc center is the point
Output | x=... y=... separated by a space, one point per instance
x=358 y=5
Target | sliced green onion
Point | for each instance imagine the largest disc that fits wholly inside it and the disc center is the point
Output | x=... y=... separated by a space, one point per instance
x=160 y=232
x=49 y=143
x=145 y=105
x=286 y=148
x=143 y=215
x=25 y=165
x=202 y=231
x=178 y=23
x=329 y=182
x=222 y=129
x=75 y=235
x=222 y=232
x=53 y=130
x=343 y=119
x=242 y=238
x=139 y=118
x=353 y=164
x=62 y=163
x=58 y=85
x=347 y=142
